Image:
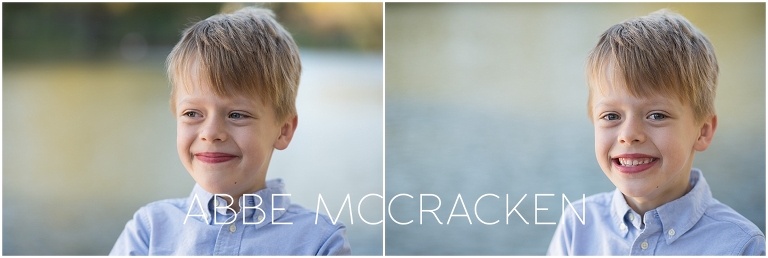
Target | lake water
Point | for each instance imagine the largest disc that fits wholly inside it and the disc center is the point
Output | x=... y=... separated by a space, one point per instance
x=88 y=143
x=491 y=98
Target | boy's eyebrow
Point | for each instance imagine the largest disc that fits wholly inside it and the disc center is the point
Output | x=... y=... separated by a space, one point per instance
x=185 y=99
x=656 y=101
x=228 y=100
x=604 y=102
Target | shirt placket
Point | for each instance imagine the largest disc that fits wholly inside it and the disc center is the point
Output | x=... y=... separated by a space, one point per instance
x=229 y=238
x=646 y=241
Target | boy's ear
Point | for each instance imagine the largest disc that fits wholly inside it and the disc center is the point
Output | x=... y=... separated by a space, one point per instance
x=286 y=133
x=706 y=135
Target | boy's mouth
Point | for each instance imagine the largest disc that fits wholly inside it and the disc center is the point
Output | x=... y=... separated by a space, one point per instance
x=633 y=163
x=628 y=162
x=214 y=157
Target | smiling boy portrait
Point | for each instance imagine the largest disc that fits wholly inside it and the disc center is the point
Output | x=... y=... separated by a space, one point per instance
x=652 y=83
x=234 y=83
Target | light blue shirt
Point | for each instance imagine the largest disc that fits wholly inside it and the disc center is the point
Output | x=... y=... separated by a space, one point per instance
x=695 y=224
x=159 y=228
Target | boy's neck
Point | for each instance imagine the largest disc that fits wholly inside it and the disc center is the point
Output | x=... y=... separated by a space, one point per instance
x=235 y=205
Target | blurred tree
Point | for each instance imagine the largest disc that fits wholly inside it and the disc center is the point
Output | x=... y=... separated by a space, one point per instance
x=90 y=30
x=50 y=31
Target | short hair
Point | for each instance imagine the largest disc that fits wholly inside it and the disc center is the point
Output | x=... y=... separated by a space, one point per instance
x=246 y=52
x=661 y=53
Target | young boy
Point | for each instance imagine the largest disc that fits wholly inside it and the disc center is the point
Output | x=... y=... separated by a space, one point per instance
x=234 y=80
x=652 y=86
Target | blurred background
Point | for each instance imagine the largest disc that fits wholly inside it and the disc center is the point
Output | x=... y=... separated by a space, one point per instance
x=89 y=137
x=491 y=98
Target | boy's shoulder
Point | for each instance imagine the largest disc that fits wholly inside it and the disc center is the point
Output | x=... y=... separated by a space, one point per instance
x=595 y=204
x=590 y=212
x=177 y=203
x=700 y=213
x=601 y=200
x=721 y=216
x=725 y=230
x=161 y=211
x=165 y=206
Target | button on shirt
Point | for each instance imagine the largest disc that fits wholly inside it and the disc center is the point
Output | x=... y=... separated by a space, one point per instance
x=695 y=224
x=274 y=227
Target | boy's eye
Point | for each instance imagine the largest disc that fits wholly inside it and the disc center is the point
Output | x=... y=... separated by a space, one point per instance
x=191 y=114
x=657 y=116
x=611 y=116
x=237 y=116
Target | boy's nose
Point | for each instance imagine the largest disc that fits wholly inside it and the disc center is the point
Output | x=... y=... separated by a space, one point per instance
x=213 y=130
x=631 y=132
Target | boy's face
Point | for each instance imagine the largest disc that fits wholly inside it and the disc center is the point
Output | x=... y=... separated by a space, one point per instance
x=646 y=145
x=226 y=143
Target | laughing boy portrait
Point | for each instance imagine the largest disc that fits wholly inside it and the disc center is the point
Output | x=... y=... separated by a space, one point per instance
x=652 y=83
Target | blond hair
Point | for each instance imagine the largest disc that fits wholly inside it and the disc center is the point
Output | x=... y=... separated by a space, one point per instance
x=661 y=53
x=245 y=52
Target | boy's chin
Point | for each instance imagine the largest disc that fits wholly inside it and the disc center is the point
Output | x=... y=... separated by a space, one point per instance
x=630 y=188
x=633 y=192
x=216 y=187
x=634 y=189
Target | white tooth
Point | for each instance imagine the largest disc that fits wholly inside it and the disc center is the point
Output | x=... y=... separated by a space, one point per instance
x=629 y=162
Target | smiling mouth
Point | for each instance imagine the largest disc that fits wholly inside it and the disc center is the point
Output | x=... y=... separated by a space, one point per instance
x=214 y=157
x=633 y=162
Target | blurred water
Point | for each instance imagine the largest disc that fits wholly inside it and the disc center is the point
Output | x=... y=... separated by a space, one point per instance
x=491 y=98
x=87 y=144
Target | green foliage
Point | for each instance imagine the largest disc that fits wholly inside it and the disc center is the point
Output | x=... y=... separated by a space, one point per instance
x=56 y=31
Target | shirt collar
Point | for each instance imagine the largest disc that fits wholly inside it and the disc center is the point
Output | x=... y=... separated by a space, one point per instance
x=679 y=215
x=274 y=201
x=619 y=210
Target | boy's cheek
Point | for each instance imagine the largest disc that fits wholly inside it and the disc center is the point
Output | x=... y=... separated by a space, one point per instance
x=184 y=130
x=602 y=140
x=602 y=148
